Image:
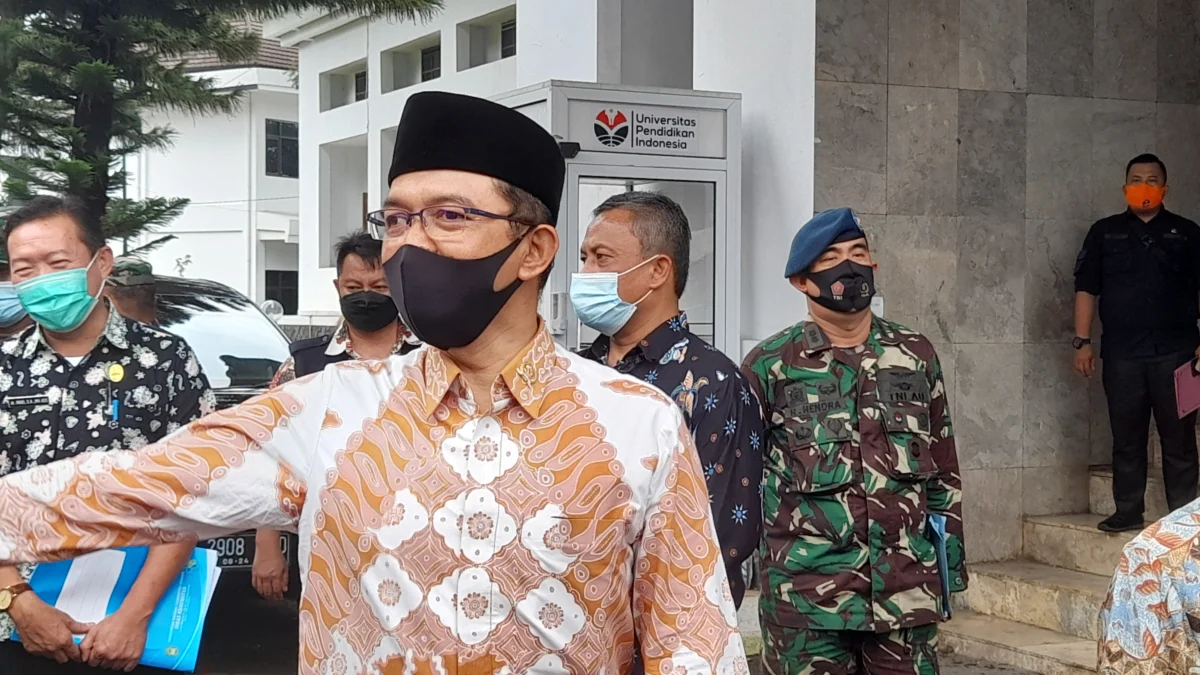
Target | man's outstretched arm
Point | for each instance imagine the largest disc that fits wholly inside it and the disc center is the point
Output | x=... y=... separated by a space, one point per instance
x=237 y=469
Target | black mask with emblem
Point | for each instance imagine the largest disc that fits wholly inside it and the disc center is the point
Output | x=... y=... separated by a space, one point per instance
x=845 y=288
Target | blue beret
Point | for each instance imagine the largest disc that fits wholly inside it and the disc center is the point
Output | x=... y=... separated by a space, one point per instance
x=824 y=230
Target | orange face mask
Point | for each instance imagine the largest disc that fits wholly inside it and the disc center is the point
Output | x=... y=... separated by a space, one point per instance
x=1144 y=197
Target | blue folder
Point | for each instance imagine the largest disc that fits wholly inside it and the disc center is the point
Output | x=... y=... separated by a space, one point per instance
x=175 y=629
x=937 y=529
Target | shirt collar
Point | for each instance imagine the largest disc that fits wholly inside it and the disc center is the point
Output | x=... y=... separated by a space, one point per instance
x=813 y=340
x=340 y=344
x=1162 y=214
x=654 y=346
x=116 y=332
x=527 y=376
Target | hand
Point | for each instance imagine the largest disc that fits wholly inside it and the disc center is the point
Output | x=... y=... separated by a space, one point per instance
x=44 y=630
x=1085 y=361
x=270 y=572
x=116 y=643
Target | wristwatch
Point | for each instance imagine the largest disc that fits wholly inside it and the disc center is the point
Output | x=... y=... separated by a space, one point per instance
x=1079 y=343
x=10 y=593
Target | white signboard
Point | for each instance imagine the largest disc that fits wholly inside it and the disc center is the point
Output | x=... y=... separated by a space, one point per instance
x=599 y=126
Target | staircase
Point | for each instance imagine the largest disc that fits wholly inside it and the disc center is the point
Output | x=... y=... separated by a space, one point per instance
x=1040 y=613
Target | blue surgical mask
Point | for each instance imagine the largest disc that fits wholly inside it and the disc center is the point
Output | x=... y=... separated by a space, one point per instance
x=598 y=303
x=59 y=301
x=11 y=309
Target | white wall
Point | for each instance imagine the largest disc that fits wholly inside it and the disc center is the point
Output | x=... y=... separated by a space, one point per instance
x=656 y=43
x=557 y=40
x=343 y=182
x=273 y=193
x=210 y=164
x=218 y=162
x=213 y=255
x=278 y=255
x=732 y=42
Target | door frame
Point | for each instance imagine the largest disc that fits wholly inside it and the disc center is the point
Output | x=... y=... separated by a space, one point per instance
x=726 y=258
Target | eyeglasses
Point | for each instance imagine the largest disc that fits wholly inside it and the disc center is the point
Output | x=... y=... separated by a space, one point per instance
x=441 y=222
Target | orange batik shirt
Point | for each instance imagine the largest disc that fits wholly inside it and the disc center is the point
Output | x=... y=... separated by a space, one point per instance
x=538 y=537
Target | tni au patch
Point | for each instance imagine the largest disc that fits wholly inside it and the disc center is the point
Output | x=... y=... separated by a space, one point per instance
x=901 y=385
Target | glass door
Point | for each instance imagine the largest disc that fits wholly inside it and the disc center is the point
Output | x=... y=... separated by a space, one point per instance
x=701 y=194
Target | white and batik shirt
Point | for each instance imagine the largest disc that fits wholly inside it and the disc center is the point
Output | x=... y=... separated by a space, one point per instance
x=539 y=534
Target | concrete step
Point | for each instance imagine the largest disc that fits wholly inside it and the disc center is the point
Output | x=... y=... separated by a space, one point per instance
x=1008 y=643
x=1072 y=542
x=748 y=624
x=1100 y=493
x=1060 y=600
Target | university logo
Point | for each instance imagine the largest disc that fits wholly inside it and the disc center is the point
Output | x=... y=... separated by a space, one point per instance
x=612 y=127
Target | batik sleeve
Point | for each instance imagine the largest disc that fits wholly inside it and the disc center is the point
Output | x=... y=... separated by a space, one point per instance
x=944 y=490
x=242 y=468
x=285 y=374
x=728 y=430
x=1144 y=627
x=683 y=610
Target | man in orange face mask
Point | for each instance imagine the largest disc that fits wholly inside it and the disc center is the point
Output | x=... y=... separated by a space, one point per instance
x=1144 y=266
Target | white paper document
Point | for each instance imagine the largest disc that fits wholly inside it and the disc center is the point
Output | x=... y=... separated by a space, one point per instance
x=89 y=586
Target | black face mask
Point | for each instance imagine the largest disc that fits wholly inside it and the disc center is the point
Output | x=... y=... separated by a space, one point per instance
x=368 y=311
x=447 y=302
x=847 y=287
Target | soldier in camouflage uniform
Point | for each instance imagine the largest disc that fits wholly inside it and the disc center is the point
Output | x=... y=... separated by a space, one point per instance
x=859 y=452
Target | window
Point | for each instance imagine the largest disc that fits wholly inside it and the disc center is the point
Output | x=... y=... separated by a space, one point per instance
x=409 y=64
x=284 y=287
x=508 y=39
x=283 y=149
x=360 y=86
x=487 y=39
x=431 y=63
x=236 y=344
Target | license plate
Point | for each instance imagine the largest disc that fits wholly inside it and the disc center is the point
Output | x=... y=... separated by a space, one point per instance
x=237 y=551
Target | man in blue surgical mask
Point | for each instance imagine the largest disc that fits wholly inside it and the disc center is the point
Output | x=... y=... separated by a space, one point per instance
x=83 y=379
x=634 y=269
x=13 y=317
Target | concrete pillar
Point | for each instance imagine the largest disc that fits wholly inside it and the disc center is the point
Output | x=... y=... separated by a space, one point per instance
x=772 y=64
x=559 y=40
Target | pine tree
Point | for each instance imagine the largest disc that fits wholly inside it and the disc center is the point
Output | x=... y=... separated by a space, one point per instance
x=76 y=77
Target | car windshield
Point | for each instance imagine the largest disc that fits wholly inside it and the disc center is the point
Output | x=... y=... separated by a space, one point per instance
x=237 y=344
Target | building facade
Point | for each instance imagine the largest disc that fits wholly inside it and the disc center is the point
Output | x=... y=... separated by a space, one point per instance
x=356 y=75
x=979 y=139
x=241 y=173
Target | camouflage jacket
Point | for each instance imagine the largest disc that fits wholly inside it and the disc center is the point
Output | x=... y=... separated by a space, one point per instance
x=859 y=451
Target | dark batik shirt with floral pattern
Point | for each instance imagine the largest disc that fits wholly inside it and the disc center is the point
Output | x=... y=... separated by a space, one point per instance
x=725 y=419
x=50 y=409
